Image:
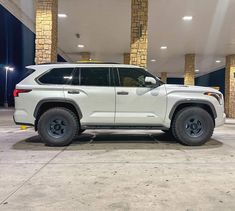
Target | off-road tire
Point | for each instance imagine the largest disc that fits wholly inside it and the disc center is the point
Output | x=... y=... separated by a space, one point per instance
x=58 y=118
x=197 y=118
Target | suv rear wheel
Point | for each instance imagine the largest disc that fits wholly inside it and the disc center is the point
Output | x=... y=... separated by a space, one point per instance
x=193 y=126
x=58 y=126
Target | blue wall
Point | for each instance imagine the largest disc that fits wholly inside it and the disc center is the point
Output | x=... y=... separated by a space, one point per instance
x=216 y=78
x=16 y=49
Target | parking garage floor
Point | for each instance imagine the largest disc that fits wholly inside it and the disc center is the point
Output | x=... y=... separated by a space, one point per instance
x=115 y=170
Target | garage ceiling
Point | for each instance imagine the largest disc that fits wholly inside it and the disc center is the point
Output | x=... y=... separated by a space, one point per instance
x=104 y=27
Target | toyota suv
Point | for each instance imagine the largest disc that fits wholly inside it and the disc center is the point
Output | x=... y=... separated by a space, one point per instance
x=63 y=100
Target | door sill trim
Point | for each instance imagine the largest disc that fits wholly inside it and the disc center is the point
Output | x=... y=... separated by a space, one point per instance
x=125 y=127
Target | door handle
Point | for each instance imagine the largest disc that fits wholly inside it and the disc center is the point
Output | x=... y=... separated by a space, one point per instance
x=122 y=93
x=74 y=92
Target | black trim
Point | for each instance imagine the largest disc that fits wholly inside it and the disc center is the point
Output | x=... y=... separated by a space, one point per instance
x=22 y=123
x=129 y=127
x=192 y=101
x=57 y=100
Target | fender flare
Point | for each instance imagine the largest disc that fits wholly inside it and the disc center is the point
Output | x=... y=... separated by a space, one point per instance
x=192 y=101
x=57 y=100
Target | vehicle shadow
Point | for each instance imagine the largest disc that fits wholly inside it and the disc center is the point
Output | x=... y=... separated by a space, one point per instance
x=116 y=141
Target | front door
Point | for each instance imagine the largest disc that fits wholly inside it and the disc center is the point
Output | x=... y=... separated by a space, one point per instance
x=91 y=89
x=136 y=103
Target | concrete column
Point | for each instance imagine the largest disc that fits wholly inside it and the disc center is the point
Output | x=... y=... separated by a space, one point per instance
x=189 y=74
x=164 y=77
x=230 y=86
x=46 y=31
x=139 y=32
x=85 y=56
x=126 y=58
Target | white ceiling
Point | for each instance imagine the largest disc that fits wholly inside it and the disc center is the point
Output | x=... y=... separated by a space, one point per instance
x=104 y=27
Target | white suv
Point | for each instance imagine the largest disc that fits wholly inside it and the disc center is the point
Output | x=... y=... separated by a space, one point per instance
x=63 y=100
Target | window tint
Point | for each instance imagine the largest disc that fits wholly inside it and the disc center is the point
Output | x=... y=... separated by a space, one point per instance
x=27 y=73
x=57 y=76
x=95 y=76
x=76 y=78
x=132 y=77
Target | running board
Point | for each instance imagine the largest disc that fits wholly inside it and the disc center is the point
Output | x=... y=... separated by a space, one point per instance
x=125 y=127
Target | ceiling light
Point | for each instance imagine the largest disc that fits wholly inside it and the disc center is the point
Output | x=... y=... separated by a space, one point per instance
x=163 y=47
x=61 y=15
x=187 y=18
x=153 y=60
x=81 y=46
x=197 y=71
x=218 y=61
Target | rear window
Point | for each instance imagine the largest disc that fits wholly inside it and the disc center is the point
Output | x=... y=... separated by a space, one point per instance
x=57 y=76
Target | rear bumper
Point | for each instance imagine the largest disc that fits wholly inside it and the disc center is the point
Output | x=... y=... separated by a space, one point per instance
x=21 y=117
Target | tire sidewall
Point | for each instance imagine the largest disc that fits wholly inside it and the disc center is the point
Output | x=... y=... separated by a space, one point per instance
x=60 y=113
x=206 y=121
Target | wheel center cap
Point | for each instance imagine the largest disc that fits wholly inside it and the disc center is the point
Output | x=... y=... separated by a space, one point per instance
x=193 y=126
x=57 y=127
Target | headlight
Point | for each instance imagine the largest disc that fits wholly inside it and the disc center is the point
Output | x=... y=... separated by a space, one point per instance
x=217 y=96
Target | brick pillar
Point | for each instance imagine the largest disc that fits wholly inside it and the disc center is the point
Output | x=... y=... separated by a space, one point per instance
x=139 y=32
x=46 y=31
x=85 y=56
x=164 y=77
x=126 y=58
x=189 y=74
x=230 y=86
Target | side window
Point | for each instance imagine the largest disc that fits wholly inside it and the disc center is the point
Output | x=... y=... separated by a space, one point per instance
x=132 y=77
x=57 y=76
x=99 y=76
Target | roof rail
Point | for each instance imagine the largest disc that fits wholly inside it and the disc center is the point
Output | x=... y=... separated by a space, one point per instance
x=53 y=63
x=82 y=62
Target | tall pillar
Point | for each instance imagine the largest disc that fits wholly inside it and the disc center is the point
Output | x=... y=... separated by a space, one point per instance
x=139 y=32
x=164 y=77
x=85 y=56
x=46 y=31
x=189 y=74
x=126 y=58
x=230 y=86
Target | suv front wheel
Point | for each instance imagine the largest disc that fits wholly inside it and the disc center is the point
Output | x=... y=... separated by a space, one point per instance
x=193 y=126
x=58 y=127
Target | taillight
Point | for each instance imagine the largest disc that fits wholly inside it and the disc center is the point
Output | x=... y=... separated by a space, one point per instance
x=18 y=91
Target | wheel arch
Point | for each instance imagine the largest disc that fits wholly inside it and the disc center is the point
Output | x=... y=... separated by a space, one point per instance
x=49 y=103
x=206 y=105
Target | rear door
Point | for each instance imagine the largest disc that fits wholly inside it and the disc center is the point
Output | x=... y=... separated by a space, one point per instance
x=93 y=92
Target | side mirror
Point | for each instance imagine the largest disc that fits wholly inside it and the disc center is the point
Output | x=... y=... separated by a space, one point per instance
x=150 y=81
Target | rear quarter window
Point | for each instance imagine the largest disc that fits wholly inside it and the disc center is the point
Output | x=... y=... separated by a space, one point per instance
x=56 y=76
x=27 y=73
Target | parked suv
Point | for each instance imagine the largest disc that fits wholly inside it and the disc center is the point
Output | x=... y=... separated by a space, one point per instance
x=63 y=100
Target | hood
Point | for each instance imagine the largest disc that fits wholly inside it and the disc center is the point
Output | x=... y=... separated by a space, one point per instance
x=187 y=88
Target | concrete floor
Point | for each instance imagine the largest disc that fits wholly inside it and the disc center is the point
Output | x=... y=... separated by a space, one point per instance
x=115 y=170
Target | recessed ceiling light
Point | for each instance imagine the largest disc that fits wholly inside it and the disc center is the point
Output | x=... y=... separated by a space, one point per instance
x=197 y=71
x=153 y=60
x=61 y=15
x=163 y=47
x=81 y=46
x=187 y=18
x=218 y=61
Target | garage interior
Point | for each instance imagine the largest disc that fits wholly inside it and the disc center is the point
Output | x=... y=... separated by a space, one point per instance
x=188 y=42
